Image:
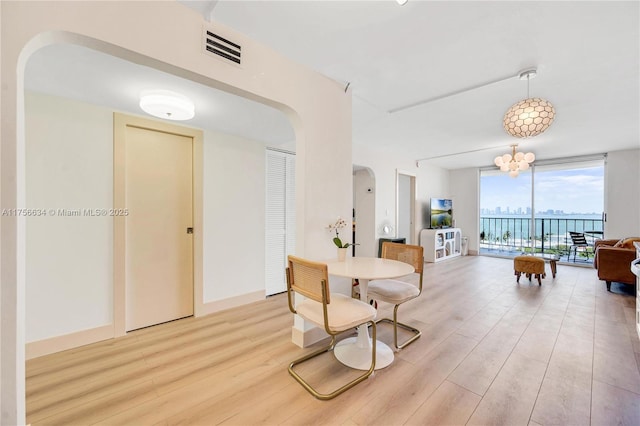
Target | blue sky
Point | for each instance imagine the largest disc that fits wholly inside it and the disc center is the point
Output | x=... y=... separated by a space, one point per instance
x=573 y=191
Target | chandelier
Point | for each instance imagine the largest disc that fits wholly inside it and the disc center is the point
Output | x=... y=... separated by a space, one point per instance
x=515 y=162
x=531 y=116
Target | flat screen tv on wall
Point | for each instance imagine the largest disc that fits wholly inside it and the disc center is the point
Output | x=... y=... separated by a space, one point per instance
x=441 y=213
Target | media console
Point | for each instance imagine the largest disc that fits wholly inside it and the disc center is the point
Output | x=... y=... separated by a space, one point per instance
x=441 y=244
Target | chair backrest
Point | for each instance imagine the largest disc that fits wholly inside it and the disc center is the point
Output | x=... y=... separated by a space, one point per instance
x=407 y=253
x=308 y=278
x=578 y=238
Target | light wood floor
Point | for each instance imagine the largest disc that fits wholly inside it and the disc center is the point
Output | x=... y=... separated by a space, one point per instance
x=492 y=352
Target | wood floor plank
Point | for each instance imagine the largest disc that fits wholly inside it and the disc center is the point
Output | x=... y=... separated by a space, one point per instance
x=180 y=390
x=613 y=361
x=572 y=360
x=539 y=339
x=450 y=404
x=614 y=406
x=98 y=409
x=486 y=342
x=483 y=322
x=511 y=398
x=480 y=368
x=431 y=371
x=562 y=402
x=340 y=410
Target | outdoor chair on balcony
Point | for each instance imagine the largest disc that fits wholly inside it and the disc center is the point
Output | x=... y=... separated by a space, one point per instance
x=579 y=244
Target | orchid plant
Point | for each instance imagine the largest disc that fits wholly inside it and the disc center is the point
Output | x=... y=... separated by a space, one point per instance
x=335 y=227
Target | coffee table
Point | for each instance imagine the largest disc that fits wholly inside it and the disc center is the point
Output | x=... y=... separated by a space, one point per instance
x=551 y=258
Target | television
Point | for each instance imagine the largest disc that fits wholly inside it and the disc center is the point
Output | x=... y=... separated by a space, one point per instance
x=441 y=213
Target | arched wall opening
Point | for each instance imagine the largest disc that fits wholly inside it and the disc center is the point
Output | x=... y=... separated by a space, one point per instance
x=60 y=130
x=321 y=104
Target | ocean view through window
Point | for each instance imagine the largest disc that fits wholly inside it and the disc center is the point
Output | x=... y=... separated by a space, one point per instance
x=536 y=211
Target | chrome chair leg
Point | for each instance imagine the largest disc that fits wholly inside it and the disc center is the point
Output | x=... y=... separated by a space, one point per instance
x=417 y=333
x=349 y=385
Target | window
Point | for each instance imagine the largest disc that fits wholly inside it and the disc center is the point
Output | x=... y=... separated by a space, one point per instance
x=537 y=210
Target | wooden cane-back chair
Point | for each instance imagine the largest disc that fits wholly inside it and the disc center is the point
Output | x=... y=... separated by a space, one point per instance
x=398 y=292
x=335 y=313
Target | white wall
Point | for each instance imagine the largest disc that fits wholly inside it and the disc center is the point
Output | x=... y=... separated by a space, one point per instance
x=622 y=192
x=234 y=216
x=465 y=192
x=69 y=167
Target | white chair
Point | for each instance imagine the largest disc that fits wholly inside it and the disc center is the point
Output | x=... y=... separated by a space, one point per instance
x=397 y=292
x=335 y=313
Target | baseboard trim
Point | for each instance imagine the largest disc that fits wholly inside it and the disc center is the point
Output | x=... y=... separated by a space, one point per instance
x=68 y=341
x=308 y=337
x=231 y=302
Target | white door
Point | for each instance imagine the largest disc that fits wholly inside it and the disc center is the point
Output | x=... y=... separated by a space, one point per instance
x=280 y=219
x=406 y=203
x=158 y=227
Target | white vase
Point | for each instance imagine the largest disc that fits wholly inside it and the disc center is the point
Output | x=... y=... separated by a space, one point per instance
x=342 y=254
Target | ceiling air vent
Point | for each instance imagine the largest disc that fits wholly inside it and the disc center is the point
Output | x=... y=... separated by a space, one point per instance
x=215 y=44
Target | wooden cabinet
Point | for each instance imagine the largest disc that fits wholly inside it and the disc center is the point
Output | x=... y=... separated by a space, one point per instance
x=441 y=244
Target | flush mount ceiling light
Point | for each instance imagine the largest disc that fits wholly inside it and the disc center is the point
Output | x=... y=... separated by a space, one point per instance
x=531 y=116
x=515 y=162
x=402 y=2
x=167 y=104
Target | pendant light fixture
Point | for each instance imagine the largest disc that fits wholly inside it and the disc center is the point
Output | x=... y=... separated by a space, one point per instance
x=531 y=116
x=515 y=162
x=167 y=104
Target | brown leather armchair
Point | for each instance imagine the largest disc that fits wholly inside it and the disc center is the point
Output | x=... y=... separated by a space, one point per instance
x=613 y=260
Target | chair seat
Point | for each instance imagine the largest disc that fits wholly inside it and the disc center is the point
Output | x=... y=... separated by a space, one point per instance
x=344 y=312
x=392 y=291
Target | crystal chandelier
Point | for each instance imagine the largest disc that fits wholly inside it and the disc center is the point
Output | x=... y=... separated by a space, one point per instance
x=531 y=116
x=515 y=162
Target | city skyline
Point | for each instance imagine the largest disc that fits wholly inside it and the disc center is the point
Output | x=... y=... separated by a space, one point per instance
x=527 y=212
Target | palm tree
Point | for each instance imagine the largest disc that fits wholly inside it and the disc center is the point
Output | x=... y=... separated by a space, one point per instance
x=506 y=236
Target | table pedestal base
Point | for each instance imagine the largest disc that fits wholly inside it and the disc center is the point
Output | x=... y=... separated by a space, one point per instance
x=352 y=354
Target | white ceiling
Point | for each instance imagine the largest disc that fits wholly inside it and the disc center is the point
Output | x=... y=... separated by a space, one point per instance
x=87 y=75
x=587 y=55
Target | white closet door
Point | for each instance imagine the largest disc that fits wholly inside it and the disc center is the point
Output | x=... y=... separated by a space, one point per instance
x=280 y=218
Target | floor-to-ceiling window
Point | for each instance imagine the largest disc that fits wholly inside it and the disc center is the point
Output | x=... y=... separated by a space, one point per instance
x=538 y=210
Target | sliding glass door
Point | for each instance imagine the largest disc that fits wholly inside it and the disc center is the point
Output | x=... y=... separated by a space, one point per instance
x=540 y=209
x=505 y=212
x=569 y=198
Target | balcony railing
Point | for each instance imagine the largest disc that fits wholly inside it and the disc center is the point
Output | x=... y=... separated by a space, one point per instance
x=512 y=235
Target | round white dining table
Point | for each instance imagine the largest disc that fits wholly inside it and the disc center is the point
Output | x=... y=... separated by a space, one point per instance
x=355 y=352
